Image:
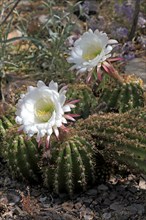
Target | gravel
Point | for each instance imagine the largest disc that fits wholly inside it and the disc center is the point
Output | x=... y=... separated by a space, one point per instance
x=115 y=200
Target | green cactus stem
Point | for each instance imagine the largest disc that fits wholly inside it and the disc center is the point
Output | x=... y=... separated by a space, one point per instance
x=87 y=100
x=71 y=166
x=23 y=157
x=123 y=97
x=6 y=122
x=121 y=137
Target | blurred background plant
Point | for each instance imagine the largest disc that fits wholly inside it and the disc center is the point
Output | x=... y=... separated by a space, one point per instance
x=32 y=43
x=35 y=37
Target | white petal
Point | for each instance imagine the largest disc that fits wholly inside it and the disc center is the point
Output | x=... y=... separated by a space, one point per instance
x=66 y=108
x=49 y=131
x=22 y=95
x=90 y=50
x=53 y=86
x=62 y=99
x=28 y=110
x=56 y=131
x=40 y=84
x=63 y=90
x=112 y=41
x=29 y=89
x=18 y=120
x=64 y=121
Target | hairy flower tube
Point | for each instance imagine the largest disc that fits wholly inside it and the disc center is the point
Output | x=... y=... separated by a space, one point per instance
x=42 y=110
x=90 y=50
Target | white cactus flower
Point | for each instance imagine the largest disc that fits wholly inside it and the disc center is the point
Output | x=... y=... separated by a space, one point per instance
x=90 y=50
x=42 y=110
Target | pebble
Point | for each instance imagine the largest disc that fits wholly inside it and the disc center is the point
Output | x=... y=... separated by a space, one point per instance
x=92 y=192
x=142 y=183
x=68 y=206
x=140 y=208
x=116 y=206
x=112 y=196
x=13 y=197
x=78 y=205
x=106 y=216
x=102 y=187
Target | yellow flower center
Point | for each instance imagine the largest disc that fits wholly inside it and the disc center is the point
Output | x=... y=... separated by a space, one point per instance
x=91 y=53
x=43 y=109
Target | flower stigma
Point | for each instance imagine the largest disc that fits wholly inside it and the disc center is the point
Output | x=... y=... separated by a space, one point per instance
x=44 y=109
x=91 y=52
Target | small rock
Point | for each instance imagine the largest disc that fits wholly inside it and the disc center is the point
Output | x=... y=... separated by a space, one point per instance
x=102 y=187
x=78 y=205
x=43 y=199
x=112 y=196
x=106 y=216
x=87 y=201
x=107 y=201
x=132 y=189
x=87 y=214
x=116 y=206
x=142 y=183
x=131 y=177
x=68 y=206
x=92 y=192
x=132 y=210
x=140 y=209
x=13 y=197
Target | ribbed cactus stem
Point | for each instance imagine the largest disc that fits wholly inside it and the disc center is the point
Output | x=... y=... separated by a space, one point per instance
x=87 y=101
x=119 y=137
x=23 y=157
x=80 y=165
x=7 y=122
x=68 y=161
x=71 y=166
x=122 y=98
x=58 y=170
x=2 y=130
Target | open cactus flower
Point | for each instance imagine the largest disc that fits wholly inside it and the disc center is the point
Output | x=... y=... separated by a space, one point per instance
x=42 y=110
x=92 y=49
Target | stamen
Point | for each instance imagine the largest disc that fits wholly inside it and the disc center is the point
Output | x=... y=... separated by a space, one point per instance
x=44 y=109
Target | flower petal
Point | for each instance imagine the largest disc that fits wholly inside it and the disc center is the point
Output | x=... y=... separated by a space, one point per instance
x=41 y=111
x=90 y=50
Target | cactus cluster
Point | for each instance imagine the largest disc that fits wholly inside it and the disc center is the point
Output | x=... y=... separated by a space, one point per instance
x=121 y=137
x=71 y=166
x=87 y=100
x=23 y=157
x=123 y=97
x=80 y=158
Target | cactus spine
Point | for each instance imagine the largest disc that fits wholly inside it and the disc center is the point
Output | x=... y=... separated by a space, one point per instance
x=71 y=167
x=87 y=100
x=123 y=97
x=122 y=137
x=23 y=157
x=6 y=122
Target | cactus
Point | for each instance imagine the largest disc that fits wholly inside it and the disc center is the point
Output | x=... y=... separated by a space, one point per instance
x=87 y=100
x=121 y=137
x=71 y=166
x=23 y=157
x=6 y=122
x=123 y=97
